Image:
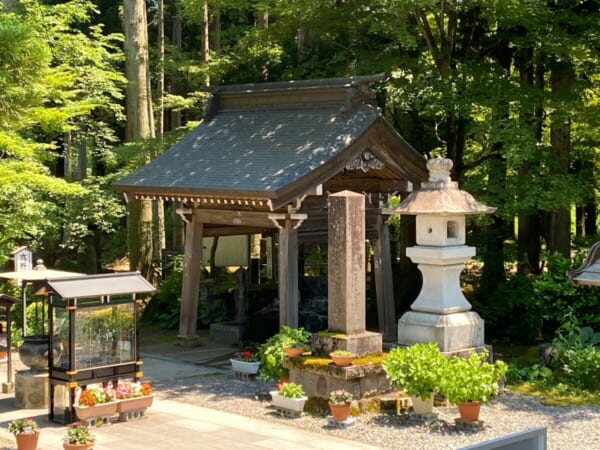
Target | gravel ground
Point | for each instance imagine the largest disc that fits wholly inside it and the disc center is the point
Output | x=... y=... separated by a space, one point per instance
x=572 y=428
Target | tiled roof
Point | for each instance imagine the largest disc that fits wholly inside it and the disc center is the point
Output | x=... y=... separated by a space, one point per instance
x=253 y=150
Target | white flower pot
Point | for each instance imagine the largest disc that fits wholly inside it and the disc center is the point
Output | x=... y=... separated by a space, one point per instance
x=290 y=404
x=244 y=366
x=422 y=406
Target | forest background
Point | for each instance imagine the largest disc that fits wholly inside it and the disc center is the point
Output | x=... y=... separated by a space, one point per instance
x=508 y=89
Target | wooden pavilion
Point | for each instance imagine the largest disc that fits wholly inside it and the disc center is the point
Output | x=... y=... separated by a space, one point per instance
x=263 y=162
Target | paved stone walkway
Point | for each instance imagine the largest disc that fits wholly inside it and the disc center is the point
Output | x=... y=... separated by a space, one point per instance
x=176 y=425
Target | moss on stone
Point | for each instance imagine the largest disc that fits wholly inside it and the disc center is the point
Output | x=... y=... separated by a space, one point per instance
x=371 y=358
x=332 y=334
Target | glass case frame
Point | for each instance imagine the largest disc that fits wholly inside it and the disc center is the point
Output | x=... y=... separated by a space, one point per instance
x=96 y=335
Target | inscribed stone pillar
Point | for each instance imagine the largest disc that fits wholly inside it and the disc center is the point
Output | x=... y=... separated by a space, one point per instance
x=188 y=317
x=346 y=263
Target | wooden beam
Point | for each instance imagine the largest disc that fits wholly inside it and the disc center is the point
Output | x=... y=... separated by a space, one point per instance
x=233 y=217
x=215 y=230
x=188 y=316
x=363 y=184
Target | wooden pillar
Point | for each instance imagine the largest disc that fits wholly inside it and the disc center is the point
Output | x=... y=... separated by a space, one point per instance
x=288 y=274
x=386 y=309
x=191 y=278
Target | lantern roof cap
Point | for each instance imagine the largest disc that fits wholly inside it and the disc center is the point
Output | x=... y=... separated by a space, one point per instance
x=440 y=195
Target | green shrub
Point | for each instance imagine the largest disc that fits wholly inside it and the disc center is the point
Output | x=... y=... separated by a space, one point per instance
x=417 y=369
x=582 y=368
x=271 y=352
x=471 y=379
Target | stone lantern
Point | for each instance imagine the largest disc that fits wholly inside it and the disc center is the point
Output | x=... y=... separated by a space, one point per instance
x=441 y=313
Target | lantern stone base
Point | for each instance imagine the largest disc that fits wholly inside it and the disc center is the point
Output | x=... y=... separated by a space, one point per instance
x=31 y=390
x=231 y=332
x=452 y=332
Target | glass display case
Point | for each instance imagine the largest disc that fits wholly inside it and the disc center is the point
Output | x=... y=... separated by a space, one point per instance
x=93 y=321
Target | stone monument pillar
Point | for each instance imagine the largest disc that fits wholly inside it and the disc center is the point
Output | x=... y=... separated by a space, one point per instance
x=346 y=279
x=441 y=313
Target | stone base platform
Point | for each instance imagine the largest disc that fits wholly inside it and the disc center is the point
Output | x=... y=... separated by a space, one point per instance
x=452 y=332
x=319 y=381
x=31 y=390
x=229 y=332
x=360 y=344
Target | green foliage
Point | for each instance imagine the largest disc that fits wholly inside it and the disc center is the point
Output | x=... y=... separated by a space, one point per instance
x=291 y=390
x=535 y=372
x=579 y=352
x=294 y=337
x=471 y=379
x=271 y=352
x=418 y=369
x=512 y=312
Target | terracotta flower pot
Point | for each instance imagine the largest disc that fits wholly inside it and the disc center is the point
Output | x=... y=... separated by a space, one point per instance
x=27 y=441
x=340 y=412
x=340 y=360
x=86 y=446
x=293 y=351
x=469 y=411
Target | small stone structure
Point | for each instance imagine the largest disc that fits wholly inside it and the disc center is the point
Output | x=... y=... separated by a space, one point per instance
x=441 y=313
x=346 y=308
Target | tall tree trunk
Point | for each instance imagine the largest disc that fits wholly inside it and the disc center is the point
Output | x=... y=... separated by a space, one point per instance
x=528 y=237
x=205 y=52
x=493 y=272
x=139 y=126
x=262 y=21
x=560 y=140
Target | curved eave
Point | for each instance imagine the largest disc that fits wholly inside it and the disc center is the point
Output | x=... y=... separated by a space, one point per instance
x=441 y=201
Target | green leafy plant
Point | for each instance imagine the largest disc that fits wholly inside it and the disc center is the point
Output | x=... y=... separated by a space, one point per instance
x=340 y=397
x=472 y=378
x=78 y=433
x=417 y=369
x=291 y=390
x=295 y=337
x=19 y=426
x=271 y=352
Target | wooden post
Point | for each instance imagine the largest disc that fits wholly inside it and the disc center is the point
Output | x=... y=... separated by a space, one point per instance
x=288 y=274
x=386 y=308
x=191 y=278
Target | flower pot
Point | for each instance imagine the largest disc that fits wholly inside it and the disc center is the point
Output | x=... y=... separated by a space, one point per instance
x=250 y=367
x=86 y=446
x=101 y=410
x=339 y=412
x=422 y=406
x=27 y=441
x=289 y=404
x=130 y=404
x=293 y=351
x=469 y=411
x=340 y=360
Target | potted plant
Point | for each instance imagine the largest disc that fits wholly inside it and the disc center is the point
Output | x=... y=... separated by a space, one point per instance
x=289 y=397
x=26 y=432
x=471 y=381
x=342 y=357
x=418 y=370
x=271 y=352
x=339 y=404
x=295 y=341
x=134 y=398
x=246 y=362
x=78 y=437
x=96 y=401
